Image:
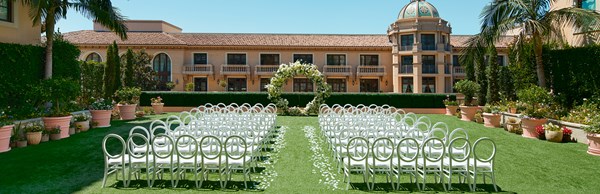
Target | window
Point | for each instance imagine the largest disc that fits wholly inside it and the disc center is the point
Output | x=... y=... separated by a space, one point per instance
x=269 y=59
x=236 y=59
x=429 y=64
x=407 y=42
x=200 y=84
x=501 y=60
x=428 y=42
x=93 y=57
x=369 y=60
x=407 y=85
x=303 y=85
x=6 y=11
x=407 y=64
x=337 y=85
x=236 y=84
x=456 y=60
x=369 y=85
x=304 y=58
x=586 y=4
x=337 y=60
x=200 y=59
x=162 y=66
x=263 y=83
x=429 y=85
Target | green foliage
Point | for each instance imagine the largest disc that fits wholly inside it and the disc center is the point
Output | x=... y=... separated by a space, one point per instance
x=537 y=101
x=522 y=65
x=467 y=88
x=109 y=74
x=507 y=87
x=65 y=61
x=117 y=63
x=20 y=68
x=61 y=92
x=128 y=80
x=144 y=76
x=189 y=87
x=128 y=95
x=194 y=99
x=101 y=104
x=170 y=85
x=32 y=128
x=586 y=114
x=481 y=79
x=92 y=80
x=493 y=71
x=5 y=119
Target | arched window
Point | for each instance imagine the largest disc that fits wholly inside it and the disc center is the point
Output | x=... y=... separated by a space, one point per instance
x=162 y=66
x=93 y=57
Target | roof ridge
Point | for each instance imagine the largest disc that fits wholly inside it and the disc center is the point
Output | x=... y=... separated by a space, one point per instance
x=287 y=34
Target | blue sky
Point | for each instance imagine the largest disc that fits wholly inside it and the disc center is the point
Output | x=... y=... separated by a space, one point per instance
x=284 y=16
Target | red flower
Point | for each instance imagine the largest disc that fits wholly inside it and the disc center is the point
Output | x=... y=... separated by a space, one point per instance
x=567 y=131
x=540 y=129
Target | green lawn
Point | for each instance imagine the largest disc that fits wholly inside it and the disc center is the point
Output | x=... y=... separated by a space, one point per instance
x=75 y=164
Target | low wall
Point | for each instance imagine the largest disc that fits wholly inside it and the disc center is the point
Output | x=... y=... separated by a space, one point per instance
x=578 y=133
x=413 y=110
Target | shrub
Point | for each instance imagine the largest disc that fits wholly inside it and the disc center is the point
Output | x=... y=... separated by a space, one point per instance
x=493 y=71
x=128 y=95
x=536 y=100
x=92 y=75
x=481 y=79
x=467 y=88
x=189 y=87
x=112 y=71
x=61 y=92
x=128 y=78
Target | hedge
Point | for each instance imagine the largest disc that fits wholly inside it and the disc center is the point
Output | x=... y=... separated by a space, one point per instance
x=193 y=99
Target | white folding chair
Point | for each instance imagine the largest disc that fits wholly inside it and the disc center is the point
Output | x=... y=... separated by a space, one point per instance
x=432 y=152
x=236 y=158
x=457 y=162
x=211 y=151
x=164 y=158
x=483 y=164
x=140 y=159
x=406 y=161
x=381 y=160
x=113 y=163
x=358 y=151
x=186 y=147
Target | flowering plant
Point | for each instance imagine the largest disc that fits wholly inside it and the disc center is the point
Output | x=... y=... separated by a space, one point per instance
x=101 y=104
x=541 y=132
x=81 y=117
x=156 y=100
x=5 y=119
x=449 y=102
x=567 y=131
x=551 y=127
x=34 y=128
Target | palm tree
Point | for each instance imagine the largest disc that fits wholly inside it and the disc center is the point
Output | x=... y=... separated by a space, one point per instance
x=534 y=20
x=48 y=12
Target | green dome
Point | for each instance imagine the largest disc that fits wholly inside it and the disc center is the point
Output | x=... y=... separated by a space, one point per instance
x=418 y=8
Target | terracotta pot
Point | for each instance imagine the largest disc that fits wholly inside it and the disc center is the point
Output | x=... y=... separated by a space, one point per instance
x=83 y=125
x=45 y=137
x=22 y=144
x=491 y=120
x=593 y=144
x=102 y=117
x=554 y=136
x=451 y=110
x=158 y=107
x=512 y=110
x=468 y=112
x=63 y=122
x=528 y=126
x=127 y=112
x=54 y=137
x=34 y=138
x=512 y=127
x=5 y=132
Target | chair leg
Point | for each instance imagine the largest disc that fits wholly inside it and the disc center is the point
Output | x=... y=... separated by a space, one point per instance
x=494 y=181
x=105 y=175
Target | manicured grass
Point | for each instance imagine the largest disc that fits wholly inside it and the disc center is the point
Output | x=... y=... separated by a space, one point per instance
x=75 y=164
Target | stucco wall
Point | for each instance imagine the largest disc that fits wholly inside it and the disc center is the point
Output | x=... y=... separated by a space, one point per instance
x=21 y=30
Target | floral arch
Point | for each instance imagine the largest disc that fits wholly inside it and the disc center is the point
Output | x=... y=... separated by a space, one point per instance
x=286 y=72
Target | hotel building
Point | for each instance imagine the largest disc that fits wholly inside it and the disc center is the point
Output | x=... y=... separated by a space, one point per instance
x=417 y=54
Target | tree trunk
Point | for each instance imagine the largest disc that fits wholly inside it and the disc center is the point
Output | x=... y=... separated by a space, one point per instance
x=49 y=43
x=538 y=48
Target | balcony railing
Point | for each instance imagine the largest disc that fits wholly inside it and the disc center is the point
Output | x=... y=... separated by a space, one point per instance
x=337 y=70
x=406 y=69
x=406 y=48
x=459 y=70
x=429 y=47
x=448 y=47
x=429 y=69
x=370 y=71
x=235 y=70
x=198 y=69
x=266 y=69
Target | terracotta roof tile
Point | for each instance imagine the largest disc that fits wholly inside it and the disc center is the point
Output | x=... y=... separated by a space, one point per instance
x=460 y=41
x=90 y=37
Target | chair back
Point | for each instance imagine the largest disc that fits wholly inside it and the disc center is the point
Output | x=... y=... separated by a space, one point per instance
x=479 y=153
x=235 y=149
x=118 y=155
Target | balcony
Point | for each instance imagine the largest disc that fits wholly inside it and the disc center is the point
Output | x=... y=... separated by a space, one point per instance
x=331 y=70
x=460 y=71
x=370 y=71
x=198 y=69
x=406 y=48
x=266 y=69
x=428 y=47
x=235 y=70
x=406 y=69
x=429 y=69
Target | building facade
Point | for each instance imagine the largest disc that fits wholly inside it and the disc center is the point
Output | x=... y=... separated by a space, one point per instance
x=418 y=54
x=16 y=25
x=578 y=37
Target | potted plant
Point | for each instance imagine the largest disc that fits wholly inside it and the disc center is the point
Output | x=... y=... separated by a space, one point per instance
x=593 y=136
x=536 y=101
x=511 y=107
x=6 y=128
x=21 y=142
x=451 y=106
x=512 y=125
x=59 y=91
x=54 y=133
x=567 y=135
x=157 y=105
x=467 y=88
x=128 y=98
x=34 y=134
x=45 y=136
x=553 y=133
x=491 y=116
x=82 y=122
x=101 y=111
x=478 y=118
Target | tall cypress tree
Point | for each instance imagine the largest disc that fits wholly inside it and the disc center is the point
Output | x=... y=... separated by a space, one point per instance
x=129 y=60
x=493 y=71
x=109 y=73
x=118 y=70
x=481 y=79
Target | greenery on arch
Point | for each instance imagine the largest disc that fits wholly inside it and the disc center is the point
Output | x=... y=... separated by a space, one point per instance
x=286 y=72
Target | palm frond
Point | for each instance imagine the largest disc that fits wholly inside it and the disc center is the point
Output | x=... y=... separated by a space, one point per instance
x=104 y=13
